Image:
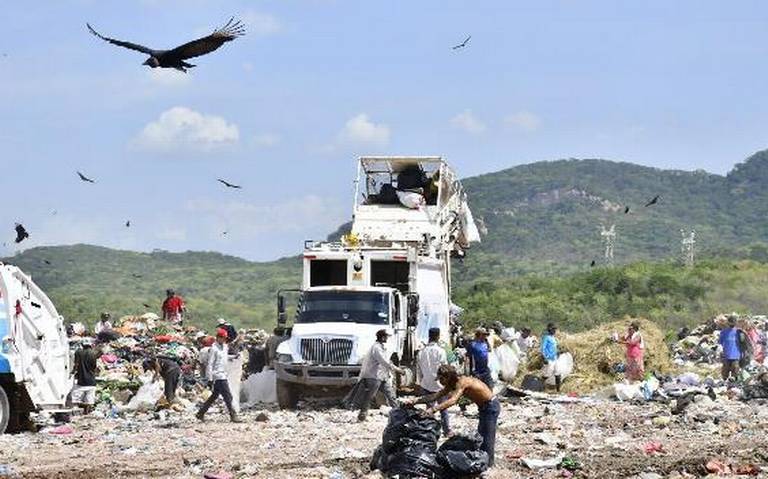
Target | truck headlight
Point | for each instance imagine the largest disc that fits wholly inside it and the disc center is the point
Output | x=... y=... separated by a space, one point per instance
x=284 y=358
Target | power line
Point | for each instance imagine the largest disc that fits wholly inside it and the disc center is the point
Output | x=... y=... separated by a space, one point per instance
x=609 y=239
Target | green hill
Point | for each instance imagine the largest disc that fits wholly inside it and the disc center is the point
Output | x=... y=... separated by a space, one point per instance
x=540 y=225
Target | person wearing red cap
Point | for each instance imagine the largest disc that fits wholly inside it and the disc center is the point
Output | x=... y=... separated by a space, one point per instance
x=216 y=372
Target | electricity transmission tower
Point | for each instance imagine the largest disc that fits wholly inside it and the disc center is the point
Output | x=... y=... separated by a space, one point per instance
x=687 y=247
x=609 y=238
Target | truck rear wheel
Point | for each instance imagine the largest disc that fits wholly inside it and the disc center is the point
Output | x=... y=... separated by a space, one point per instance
x=287 y=396
x=5 y=410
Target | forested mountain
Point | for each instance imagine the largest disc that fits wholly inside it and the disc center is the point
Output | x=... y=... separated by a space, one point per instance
x=538 y=222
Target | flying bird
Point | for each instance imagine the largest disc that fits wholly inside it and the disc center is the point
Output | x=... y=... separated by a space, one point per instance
x=46 y=262
x=175 y=58
x=626 y=210
x=462 y=44
x=85 y=178
x=146 y=306
x=136 y=275
x=54 y=212
x=128 y=224
x=592 y=264
x=228 y=184
x=21 y=233
x=653 y=201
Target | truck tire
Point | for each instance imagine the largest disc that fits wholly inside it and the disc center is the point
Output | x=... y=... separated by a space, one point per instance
x=287 y=396
x=5 y=410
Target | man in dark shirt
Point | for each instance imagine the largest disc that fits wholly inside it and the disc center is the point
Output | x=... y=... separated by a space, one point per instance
x=84 y=393
x=169 y=370
x=478 y=357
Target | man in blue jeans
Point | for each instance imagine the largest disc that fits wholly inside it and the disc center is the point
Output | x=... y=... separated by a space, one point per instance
x=428 y=362
x=454 y=387
x=478 y=351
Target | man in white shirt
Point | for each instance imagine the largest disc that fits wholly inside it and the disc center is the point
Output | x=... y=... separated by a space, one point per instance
x=216 y=372
x=428 y=361
x=524 y=341
x=103 y=324
x=375 y=374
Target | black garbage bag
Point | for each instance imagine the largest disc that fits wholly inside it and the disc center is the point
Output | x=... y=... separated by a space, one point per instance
x=463 y=442
x=410 y=424
x=412 y=462
x=462 y=463
x=378 y=459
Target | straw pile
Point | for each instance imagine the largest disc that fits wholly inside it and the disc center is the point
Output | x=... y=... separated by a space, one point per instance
x=594 y=354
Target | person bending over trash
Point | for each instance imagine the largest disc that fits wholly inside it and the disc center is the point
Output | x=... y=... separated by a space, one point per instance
x=549 y=351
x=216 y=373
x=456 y=386
x=169 y=370
x=374 y=375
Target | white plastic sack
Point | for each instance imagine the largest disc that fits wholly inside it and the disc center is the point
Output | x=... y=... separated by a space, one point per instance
x=235 y=375
x=563 y=368
x=508 y=360
x=260 y=388
x=146 y=397
x=628 y=392
x=493 y=365
x=410 y=199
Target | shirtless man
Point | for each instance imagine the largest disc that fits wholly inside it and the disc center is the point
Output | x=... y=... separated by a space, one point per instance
x=454 y=387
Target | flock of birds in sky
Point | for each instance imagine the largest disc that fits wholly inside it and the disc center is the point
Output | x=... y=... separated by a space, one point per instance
x=176 y=58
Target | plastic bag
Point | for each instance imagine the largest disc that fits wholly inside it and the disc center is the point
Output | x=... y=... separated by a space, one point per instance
x=463 y=463
x=378 y=459
x=412 y=425
x=410 y=199
x=463 y=442
x=563 y=368
x=260 y=388
x=234 y=377
x=413 y=462
x=508 y=362
x=146 y=397
x=627 y=392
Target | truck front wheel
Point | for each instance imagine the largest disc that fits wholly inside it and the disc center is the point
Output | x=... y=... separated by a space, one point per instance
x=287 y=396
x=5 y=410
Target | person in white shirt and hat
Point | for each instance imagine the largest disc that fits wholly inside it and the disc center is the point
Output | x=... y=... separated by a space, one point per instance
x=375 y=374
x=216 y=372
x=428 y=362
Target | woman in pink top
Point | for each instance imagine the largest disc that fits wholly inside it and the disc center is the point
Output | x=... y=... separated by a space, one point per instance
x=633 y=340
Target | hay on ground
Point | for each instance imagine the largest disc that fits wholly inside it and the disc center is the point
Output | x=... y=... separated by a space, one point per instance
x=594 y=354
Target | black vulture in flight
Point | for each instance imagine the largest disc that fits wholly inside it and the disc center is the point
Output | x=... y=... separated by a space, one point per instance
x=653 y=201
x=175 y=57
x=462 y=44
x=626 y=210
x=21 y=233
x=85 y=178
x=128 y=224
x=592 y=264
x=228 y=184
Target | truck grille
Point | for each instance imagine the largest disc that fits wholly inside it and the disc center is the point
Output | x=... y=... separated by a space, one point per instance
x=332 y=351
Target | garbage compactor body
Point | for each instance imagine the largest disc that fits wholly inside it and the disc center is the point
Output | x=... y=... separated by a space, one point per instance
x=35 y=369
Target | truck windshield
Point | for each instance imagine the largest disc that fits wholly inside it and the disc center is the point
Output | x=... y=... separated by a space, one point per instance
x=344 y=307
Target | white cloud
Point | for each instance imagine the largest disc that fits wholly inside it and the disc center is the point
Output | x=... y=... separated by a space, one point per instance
x=243 y=220
x=523 y=121
x=261 y=24
x=266 y=140
x=362 y=131
x=168 y=77
x=184 y=128
x=468 y=122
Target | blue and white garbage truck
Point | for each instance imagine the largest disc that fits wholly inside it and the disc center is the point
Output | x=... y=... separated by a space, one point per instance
x=35 y=370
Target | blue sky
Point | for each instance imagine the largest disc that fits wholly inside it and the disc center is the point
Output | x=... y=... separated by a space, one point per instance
x=286 y=109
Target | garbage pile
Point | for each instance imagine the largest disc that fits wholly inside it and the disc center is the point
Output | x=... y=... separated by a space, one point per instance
x=122 y=383
x=409 y=449
x=700 y=346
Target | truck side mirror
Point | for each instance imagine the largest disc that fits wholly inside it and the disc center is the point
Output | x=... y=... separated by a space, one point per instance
x=413 y=309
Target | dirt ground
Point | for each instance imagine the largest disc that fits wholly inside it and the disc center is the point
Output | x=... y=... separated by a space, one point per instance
x=605 y=437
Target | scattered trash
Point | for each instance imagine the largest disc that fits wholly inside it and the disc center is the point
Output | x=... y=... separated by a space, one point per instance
x=653 y=447
x=61 y=430
x=533 y=463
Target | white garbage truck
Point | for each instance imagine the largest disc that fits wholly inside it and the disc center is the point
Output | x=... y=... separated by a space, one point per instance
x=391 y=271
x=35 y=371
